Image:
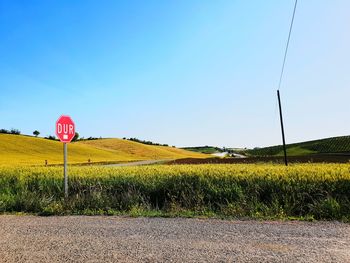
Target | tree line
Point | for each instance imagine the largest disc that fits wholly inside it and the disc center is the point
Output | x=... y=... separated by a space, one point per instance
x=144 y=142
x=76 y=137
x=36 y=133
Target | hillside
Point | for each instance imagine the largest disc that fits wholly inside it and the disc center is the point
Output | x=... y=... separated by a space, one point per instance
x=142 y=151
x=324 y=146
x=18 y=149
x=203 y=149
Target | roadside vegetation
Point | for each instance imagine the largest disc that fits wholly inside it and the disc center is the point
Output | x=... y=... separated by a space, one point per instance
x=302 y=191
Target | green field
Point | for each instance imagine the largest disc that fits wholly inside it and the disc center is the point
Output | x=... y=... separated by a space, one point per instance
x=319 y=191
x=27 y=150
x=203 y=149
x=324 y=146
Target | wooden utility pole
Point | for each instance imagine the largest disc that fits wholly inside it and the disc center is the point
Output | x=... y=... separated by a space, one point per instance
x=282 y=129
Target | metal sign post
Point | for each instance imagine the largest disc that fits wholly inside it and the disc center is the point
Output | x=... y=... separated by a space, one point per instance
x=65 y=131
x=65 y=170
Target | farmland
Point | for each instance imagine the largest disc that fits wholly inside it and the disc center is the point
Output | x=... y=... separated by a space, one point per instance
x=319 y=191
x=220 y=189
x=339 y=144
x=142 y=151
x=27 y=150
x=204 y=149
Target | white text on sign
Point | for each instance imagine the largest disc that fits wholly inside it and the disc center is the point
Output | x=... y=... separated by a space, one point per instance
x=65 y=129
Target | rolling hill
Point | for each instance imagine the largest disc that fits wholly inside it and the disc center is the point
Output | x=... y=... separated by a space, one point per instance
x=19 y=149
x=331 y=145
x=139 y=150
x=204 y=149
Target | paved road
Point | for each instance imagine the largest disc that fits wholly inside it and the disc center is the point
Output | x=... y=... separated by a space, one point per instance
x=122 y=239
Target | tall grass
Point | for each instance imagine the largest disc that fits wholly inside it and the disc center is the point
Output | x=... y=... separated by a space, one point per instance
x=320 y=191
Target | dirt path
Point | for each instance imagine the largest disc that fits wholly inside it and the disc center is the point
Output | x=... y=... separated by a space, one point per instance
x=146 y=162
x=122 y=239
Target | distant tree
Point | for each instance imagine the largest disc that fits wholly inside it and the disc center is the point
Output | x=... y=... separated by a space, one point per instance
x=15 y=131
x=4 y=131
x=36 y=133
x=76 y=137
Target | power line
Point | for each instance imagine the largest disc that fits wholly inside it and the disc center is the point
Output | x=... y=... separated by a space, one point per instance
x=286 y=51
x=279 y=86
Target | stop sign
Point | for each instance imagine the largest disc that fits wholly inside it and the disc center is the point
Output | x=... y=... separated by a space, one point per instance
x=65 y=128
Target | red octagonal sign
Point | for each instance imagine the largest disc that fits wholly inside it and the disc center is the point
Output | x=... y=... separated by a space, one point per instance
x=65 y=128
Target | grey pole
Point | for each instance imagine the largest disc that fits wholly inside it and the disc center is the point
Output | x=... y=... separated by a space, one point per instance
x=65 y=170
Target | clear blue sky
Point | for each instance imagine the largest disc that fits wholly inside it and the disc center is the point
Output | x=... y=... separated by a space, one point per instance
x=187 y=72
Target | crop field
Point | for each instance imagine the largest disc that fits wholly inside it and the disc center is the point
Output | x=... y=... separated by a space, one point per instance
x=27 y=150
x=339 y=144
x=314 y=158
x=142 y=151
x=304 y=191
x=204 y=149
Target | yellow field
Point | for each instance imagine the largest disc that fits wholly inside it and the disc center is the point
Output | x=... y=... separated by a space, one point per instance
x=18 y=149
x=142 y=151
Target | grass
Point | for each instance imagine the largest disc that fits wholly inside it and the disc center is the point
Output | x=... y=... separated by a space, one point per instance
x=296 y=151
x=303 y=191
x=26 y=150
